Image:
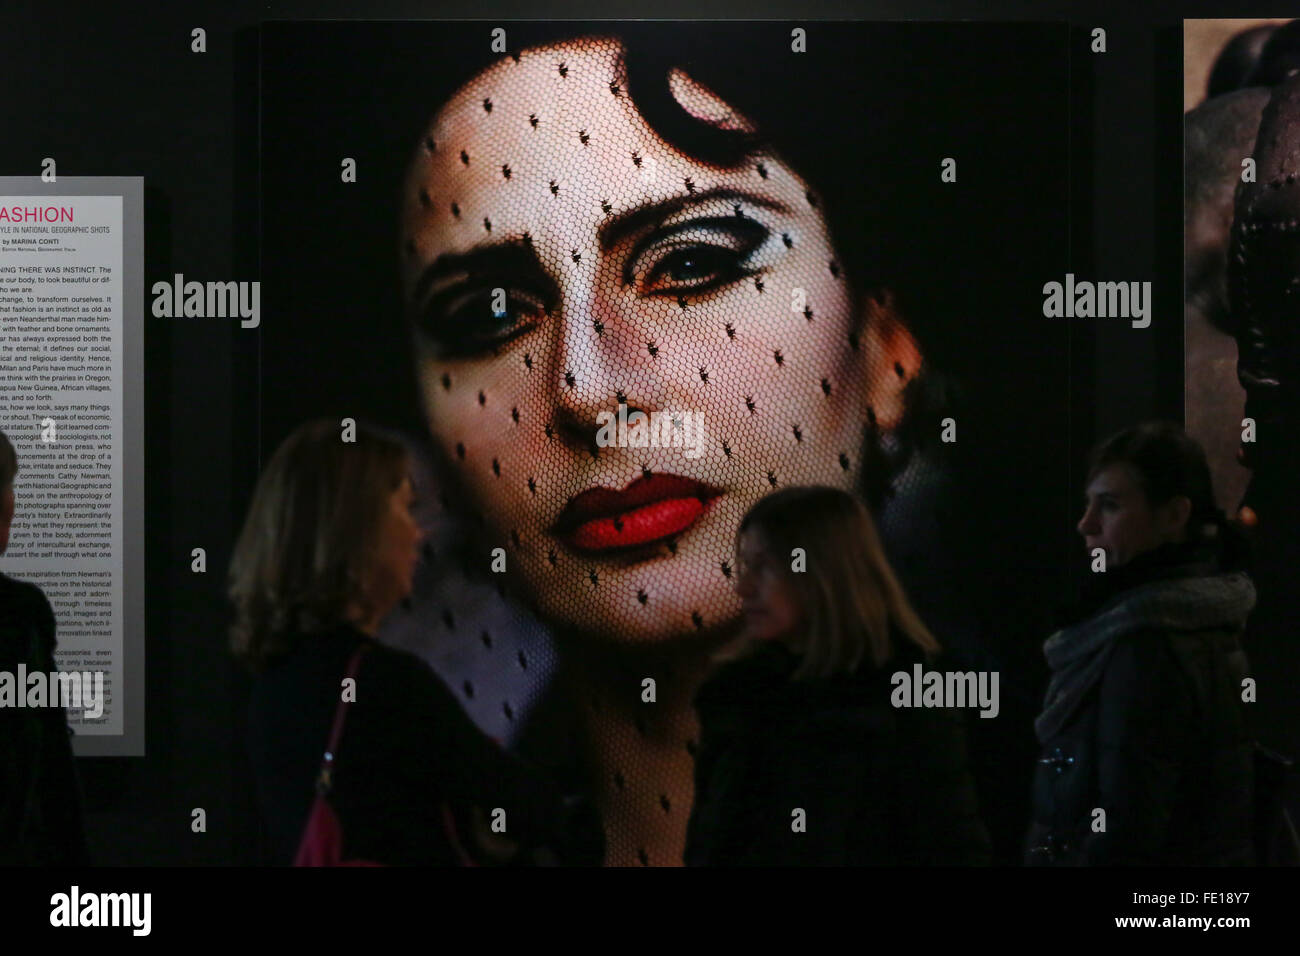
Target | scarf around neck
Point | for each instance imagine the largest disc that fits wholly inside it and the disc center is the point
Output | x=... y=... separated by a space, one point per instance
x=1078 y=655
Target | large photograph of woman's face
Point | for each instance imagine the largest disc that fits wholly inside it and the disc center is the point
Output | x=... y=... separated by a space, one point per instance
x=778 y=267
x=632 y=273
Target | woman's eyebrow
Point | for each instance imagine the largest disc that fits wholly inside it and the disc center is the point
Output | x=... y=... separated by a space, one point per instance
x=626 y=223
x=498 y=257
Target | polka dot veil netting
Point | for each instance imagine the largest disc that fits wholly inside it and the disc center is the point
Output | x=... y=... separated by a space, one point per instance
x=564 y=266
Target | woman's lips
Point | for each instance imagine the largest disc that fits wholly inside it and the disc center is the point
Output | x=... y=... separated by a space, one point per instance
x=662 y=505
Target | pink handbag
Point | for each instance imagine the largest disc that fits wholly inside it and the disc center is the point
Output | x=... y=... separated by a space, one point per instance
x=322 y=838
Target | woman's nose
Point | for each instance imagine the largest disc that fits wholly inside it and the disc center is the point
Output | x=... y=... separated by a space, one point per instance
x=1087 y=524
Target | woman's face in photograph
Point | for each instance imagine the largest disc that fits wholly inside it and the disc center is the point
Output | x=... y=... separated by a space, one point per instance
x=558 y=258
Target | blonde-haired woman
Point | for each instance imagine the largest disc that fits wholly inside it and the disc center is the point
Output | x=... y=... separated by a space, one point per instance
x=327 y=551
x=802 y=758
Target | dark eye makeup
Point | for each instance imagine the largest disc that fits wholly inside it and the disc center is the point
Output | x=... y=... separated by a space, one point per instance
x=695 y=266
x=460 y=321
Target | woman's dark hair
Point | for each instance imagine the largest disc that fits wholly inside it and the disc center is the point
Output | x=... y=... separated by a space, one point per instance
x=1168 y=463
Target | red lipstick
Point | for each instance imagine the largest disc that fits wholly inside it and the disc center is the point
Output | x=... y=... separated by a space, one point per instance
x=662 y=505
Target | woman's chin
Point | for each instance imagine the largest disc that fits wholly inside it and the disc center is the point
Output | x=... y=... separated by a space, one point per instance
x=676 y=620
x=681 y=597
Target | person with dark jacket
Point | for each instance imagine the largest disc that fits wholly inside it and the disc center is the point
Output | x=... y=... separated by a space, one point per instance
x=327 y=551
x=1146 y=756
x=41 y=816
x=803 y=759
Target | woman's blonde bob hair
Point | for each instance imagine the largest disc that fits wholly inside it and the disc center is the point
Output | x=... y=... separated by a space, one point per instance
x=302 y=560
x=849 y=595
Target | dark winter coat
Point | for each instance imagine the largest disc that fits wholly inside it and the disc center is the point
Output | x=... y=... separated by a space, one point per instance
x=1153 y=763
x=41 y=816
x=877 y=785
x=407 y=747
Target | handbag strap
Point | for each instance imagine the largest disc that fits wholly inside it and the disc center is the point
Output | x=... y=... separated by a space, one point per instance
x=324 y=779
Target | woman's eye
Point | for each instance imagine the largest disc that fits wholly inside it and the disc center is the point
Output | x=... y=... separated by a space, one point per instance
x=460 y=326
x=664 y=267
x=696 y=267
